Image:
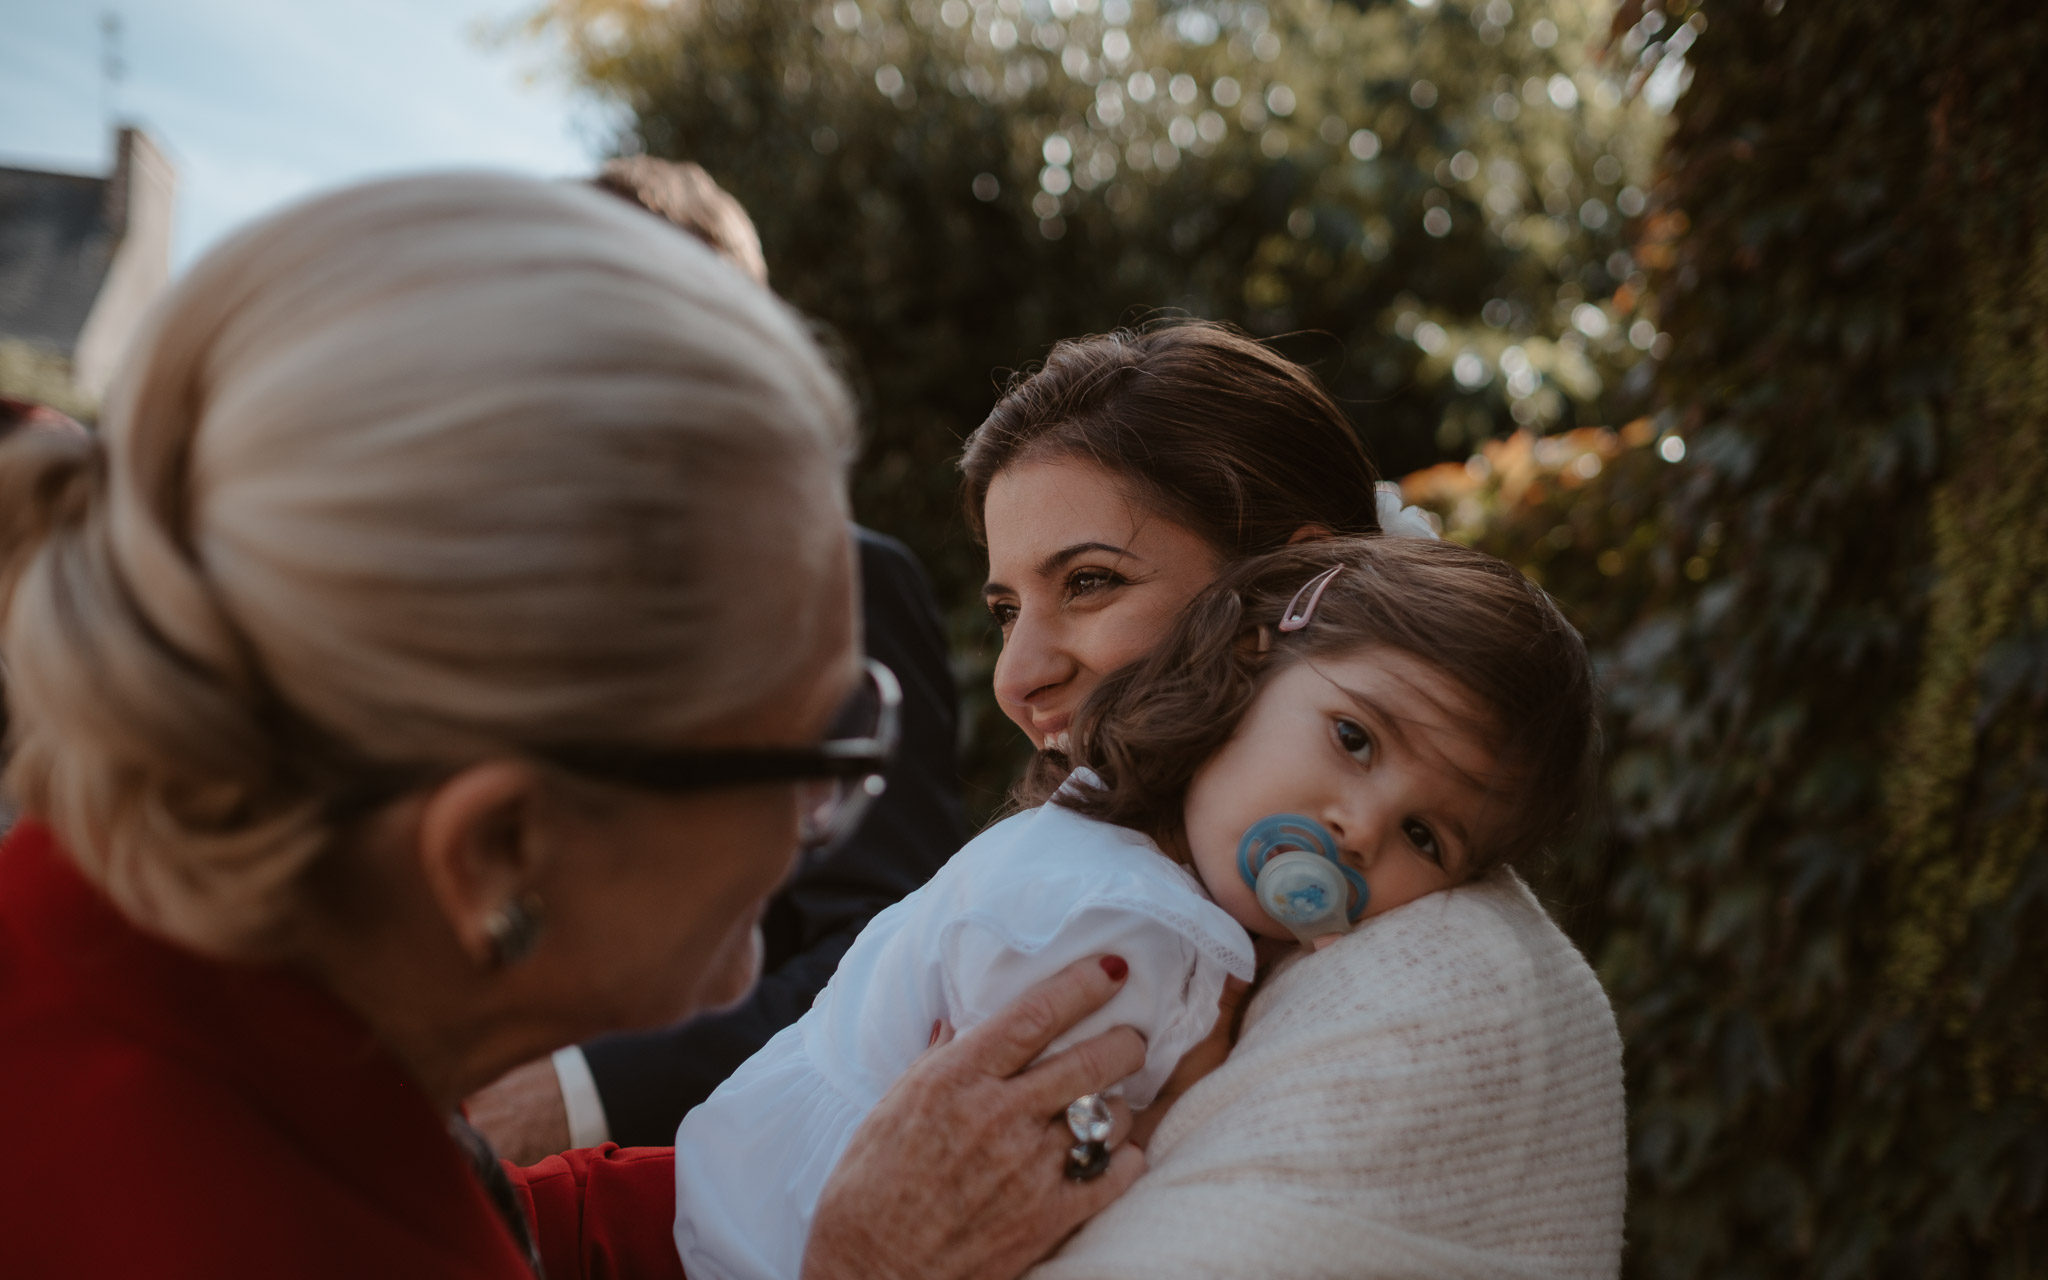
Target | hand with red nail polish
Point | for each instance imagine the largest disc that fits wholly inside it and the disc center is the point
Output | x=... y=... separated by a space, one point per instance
x=952 y=1174
x=1046 y=897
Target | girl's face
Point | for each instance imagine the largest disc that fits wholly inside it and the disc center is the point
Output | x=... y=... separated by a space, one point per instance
x=1384 y=750
x=1082 y=580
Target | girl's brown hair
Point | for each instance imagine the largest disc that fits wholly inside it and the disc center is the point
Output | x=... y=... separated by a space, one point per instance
x=1209 y=428
x=1150 y=726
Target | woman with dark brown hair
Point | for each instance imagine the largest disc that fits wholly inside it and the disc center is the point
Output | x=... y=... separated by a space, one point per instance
x=1111 y=487
x=1115 y=481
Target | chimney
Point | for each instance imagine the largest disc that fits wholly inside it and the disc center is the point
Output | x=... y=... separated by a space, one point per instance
x=140 y=196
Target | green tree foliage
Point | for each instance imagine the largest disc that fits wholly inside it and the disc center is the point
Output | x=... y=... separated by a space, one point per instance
x=1813 y=570
x=1820 y=897
x=1429 y=200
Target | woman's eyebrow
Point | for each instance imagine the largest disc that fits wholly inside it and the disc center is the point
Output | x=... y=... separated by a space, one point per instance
x=1051 y=564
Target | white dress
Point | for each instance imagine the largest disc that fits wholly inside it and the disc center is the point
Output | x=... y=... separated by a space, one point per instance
x=1022 y=900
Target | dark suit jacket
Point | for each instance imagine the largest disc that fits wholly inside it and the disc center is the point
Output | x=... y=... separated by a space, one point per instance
x=648 y=1079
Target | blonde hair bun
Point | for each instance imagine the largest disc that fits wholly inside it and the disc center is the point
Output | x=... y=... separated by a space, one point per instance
x=408 y=475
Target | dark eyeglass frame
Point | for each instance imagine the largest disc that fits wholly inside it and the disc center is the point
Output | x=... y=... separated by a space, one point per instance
x=856 y=762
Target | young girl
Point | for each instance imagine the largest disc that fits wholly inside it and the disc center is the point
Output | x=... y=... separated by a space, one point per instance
x=1329 y=732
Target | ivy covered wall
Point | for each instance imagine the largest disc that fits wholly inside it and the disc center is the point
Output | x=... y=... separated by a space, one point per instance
x=1817 y=579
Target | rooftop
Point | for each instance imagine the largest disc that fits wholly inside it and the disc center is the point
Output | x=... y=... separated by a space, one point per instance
x=58 y=234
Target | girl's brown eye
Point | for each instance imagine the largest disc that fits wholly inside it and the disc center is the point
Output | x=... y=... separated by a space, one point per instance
x=1424 y=840
x=1003 y=613
x=1353 y=738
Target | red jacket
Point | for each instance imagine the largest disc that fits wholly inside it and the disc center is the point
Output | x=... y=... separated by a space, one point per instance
x=167 y=1115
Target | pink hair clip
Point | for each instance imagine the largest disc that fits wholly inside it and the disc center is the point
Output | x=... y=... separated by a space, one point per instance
x=1297 y=615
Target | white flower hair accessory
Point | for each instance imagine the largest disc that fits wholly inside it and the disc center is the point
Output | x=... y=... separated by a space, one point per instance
x=1397 y=521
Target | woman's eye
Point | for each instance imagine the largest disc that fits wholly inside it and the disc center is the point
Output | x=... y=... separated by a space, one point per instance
x=1355 y=741
x=1003 y=612
x=1423 y=839
x=1089 y=580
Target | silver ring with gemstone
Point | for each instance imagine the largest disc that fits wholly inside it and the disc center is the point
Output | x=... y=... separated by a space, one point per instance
x=1089 y=1120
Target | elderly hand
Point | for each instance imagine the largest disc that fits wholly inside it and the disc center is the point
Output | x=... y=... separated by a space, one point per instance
x=959 y=1170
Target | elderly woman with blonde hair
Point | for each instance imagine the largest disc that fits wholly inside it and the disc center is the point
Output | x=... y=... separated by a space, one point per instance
x=446 y=647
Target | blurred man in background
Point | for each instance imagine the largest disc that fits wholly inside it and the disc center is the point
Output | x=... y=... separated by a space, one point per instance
x=634 y=1088
x=685 y=195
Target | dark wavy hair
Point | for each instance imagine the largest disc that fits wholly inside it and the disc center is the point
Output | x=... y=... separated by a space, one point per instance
x=1201 y=424
x=1214 y=431
x=1150 y=726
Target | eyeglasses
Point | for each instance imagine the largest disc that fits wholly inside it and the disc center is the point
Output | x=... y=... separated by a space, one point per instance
x=836 y=780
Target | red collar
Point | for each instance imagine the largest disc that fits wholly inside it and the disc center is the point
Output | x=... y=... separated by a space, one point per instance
x=292 y=1054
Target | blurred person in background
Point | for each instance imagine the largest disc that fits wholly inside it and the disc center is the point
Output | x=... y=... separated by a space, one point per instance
x=440 y=658
x=634 y=1088
x=683 y=195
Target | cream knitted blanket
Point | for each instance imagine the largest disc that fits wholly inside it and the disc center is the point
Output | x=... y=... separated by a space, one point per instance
x=1436 y=1095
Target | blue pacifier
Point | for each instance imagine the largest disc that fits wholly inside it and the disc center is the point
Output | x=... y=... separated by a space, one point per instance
x=1291 y=863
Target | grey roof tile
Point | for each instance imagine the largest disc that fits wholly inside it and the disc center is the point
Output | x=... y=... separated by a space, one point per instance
x=56 y=245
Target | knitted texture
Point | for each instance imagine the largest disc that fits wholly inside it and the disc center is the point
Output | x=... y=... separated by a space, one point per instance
x=1438 y=1094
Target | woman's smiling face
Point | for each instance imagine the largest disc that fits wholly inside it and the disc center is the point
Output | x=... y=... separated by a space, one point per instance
x=1083 y=578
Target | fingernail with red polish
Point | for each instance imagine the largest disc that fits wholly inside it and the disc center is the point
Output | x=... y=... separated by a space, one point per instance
x=1115 y=967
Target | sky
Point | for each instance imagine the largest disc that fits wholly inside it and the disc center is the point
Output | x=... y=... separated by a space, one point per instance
x=258 y=102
